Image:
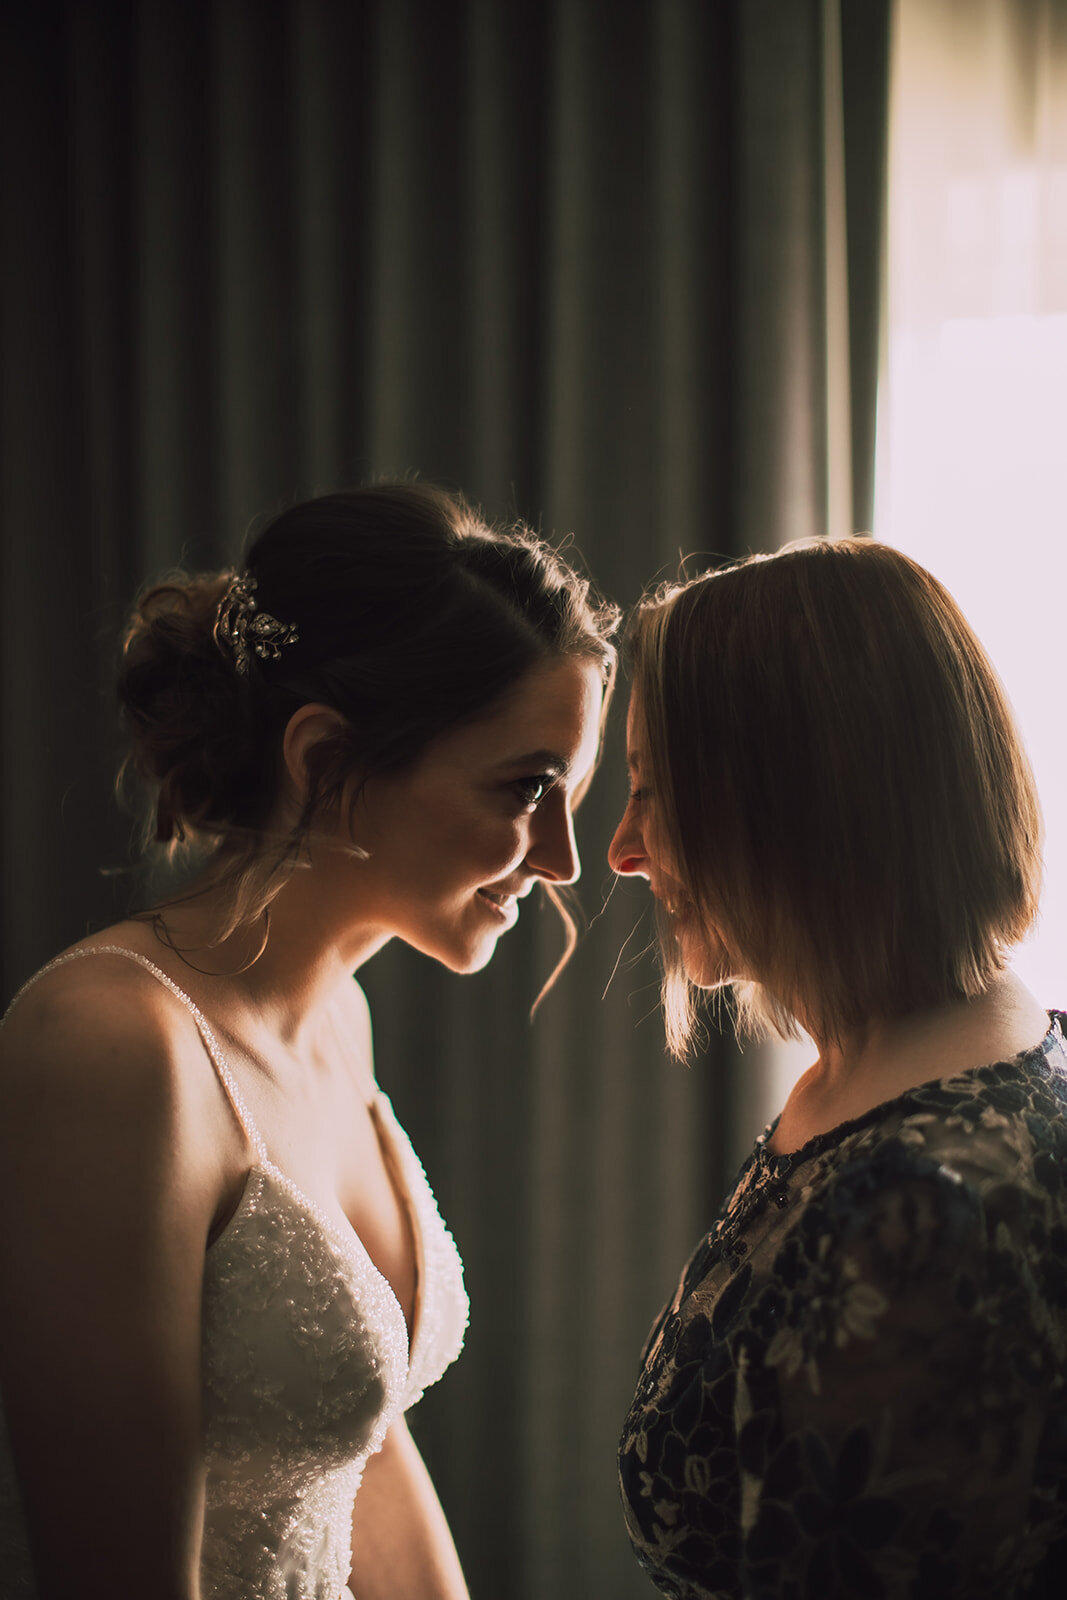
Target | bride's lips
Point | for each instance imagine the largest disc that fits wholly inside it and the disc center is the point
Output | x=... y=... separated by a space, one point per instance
x=504 y=906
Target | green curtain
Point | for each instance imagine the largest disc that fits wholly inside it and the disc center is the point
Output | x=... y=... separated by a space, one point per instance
x=611 y=268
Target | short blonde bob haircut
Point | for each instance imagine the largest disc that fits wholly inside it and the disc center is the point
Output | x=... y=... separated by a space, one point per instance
x=838 y=784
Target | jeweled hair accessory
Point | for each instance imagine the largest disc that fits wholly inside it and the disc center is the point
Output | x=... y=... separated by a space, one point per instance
x=244 y=629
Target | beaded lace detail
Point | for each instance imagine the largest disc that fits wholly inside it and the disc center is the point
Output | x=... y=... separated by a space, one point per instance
x=306 y=1364
x=859 y=1387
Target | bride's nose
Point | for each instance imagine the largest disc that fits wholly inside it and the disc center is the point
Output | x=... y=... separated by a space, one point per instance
x=553 y=852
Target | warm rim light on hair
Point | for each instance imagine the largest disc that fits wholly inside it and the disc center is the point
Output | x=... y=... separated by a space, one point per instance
x=836 y=767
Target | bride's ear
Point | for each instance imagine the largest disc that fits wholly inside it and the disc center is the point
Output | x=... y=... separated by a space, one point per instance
x=308 y=726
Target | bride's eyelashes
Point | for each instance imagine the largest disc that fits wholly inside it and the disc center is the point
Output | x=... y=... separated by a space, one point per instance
x=532 y=790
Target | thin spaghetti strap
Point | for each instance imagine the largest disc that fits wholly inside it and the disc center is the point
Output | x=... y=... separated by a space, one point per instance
x=211 y=1044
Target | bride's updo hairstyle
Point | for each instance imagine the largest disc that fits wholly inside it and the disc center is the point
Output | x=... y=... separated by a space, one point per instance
x=396 y=605
x=837 y=783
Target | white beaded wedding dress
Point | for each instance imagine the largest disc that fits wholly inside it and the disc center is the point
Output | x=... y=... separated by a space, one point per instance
x=306 y=1364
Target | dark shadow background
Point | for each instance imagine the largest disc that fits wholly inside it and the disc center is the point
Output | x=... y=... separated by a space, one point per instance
x=610 y=267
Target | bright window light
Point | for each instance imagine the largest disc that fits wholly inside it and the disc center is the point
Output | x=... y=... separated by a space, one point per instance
x=973 y=483
x=972 y=417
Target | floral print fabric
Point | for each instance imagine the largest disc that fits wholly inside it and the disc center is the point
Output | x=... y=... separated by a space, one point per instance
x=860 y=1386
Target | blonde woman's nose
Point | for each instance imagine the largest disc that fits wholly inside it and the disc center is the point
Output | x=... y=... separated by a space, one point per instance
x=626 y=852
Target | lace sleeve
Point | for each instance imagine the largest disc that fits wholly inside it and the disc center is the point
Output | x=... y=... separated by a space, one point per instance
x=893 y=1434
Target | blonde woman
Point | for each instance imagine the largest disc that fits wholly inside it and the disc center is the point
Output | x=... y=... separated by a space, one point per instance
x=858 y=1387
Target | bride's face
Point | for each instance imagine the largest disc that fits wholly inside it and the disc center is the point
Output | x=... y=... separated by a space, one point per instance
x=639 y=848
x=456 y=842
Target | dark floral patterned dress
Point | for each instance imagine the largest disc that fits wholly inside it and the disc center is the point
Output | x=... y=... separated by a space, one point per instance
x=860 y=1386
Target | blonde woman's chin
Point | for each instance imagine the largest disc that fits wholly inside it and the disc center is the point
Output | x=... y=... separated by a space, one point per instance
x=705 y=958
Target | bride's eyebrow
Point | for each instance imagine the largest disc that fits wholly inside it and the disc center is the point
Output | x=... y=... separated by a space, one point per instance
x=547 y=761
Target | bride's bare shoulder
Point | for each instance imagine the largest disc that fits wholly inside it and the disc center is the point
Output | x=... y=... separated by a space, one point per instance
x=116 y=1149
x=100 y=1032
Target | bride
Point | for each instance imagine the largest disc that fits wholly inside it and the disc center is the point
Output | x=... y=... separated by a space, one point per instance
x=224 y=1276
